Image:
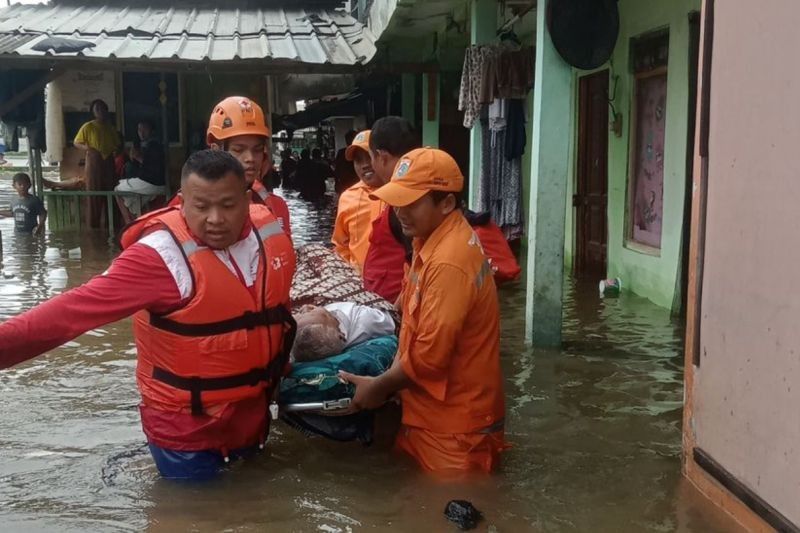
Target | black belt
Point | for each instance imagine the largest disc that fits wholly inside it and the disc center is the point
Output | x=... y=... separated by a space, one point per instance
x=249 y=320
x=197 y=385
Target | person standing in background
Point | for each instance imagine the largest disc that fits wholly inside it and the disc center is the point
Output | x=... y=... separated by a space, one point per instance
x=345 y=175
x=356 y=211
x=288 y=168
x=312 y=173
x=3 y=144
x=28 y=210
x=99 y=138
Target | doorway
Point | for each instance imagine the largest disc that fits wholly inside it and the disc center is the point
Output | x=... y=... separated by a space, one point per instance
x=591 y=191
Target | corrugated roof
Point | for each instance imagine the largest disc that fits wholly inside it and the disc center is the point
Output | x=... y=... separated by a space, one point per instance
x=190 y=34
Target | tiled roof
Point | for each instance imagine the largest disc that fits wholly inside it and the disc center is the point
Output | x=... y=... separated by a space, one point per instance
x=311 y=36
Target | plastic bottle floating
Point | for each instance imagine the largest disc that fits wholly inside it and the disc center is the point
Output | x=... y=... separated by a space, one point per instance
x=610 y=288
x=52 y=254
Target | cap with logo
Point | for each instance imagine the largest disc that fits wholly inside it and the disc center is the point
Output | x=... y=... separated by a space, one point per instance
x=360 y=141
x=419 y=172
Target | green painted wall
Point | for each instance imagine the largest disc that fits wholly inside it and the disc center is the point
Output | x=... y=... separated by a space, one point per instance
x=527 y=39
x=430 y=128
x=653 y=277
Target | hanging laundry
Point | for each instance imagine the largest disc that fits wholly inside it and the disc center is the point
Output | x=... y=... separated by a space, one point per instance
x=498 y=114
x=493 y=71
x=516 y=136
x=474 y=77
x=511 y=73
x=500 y=186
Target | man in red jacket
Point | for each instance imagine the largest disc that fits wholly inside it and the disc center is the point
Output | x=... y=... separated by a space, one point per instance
x=208 y=283
x=389 y=250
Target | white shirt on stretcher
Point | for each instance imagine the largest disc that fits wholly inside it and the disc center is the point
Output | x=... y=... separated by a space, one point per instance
x=360 y=323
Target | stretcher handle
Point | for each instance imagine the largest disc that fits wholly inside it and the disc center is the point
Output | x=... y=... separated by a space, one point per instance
x=330 y=405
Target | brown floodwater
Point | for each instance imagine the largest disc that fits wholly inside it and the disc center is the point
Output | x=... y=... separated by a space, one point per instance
x=595 y=428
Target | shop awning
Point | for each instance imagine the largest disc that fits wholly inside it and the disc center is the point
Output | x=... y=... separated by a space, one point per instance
x=313 y=39
x=351 y=104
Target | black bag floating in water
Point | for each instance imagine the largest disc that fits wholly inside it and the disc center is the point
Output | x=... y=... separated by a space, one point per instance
x=463 y=514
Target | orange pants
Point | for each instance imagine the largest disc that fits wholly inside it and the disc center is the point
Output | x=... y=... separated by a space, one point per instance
x=452 y=451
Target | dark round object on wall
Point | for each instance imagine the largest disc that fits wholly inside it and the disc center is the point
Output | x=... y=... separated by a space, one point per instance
x=584 y=32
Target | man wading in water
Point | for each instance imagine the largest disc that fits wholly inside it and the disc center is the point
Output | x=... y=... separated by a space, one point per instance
x=447 y=368
x=212 y=324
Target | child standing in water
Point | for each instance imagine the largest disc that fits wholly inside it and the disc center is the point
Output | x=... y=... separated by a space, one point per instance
x=28 y=210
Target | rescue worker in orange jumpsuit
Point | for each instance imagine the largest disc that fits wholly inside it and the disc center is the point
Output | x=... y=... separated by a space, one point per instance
x=357 y=211
x=447 y=368
x=208 y=284
x=237 y=126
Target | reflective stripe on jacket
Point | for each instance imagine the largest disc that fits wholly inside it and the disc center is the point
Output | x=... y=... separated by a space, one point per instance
x=229 y=342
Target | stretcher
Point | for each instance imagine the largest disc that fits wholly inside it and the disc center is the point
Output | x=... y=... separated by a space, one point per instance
x=313 y=397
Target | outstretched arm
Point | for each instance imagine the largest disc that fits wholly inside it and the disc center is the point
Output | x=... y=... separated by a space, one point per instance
x=137 y=279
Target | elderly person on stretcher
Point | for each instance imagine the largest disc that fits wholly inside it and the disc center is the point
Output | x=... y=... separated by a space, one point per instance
x=323 y=331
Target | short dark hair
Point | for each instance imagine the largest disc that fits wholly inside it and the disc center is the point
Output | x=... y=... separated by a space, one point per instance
x=305 y=153
x=147 y=122
x=95 y=102
x=439 y=196
x=21 y=177
x=349 y=136
x=212 y=165
x=316 y=152
x=396 y=135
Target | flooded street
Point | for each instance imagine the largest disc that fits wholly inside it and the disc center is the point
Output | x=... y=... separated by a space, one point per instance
x=595 y=429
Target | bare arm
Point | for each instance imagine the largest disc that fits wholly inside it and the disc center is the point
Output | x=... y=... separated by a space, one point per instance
x=42 y=218
x=372 y=392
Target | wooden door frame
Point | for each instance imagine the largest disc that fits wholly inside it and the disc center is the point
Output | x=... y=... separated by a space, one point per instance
x=580 y=139
x=709 y=477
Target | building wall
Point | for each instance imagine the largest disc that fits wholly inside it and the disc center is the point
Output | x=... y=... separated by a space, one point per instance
x=743 y=397
x=653 y=277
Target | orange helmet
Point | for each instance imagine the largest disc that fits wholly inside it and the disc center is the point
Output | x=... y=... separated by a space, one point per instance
x=236 y=115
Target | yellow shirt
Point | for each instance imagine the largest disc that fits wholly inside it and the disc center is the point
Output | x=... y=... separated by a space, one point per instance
x=354 y=224
x=101 y=137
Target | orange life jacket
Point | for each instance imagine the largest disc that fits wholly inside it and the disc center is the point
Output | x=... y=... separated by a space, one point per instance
x=260 y=193
x=227 y=343
x=498 y=252
x=276 y=204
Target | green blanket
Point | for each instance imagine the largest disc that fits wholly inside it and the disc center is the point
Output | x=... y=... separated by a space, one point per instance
x=318 y=381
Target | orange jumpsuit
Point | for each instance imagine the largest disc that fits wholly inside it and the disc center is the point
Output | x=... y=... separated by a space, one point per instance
x=354 y=224
x=453 y=412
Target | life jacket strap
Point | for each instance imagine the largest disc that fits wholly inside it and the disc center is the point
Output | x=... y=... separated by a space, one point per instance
x=249 y=320
x=197 y=385
x=271 y=373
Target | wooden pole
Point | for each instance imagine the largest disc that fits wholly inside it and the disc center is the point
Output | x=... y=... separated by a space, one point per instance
x=31 y=163
x=38 y=177
x=162 y=85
